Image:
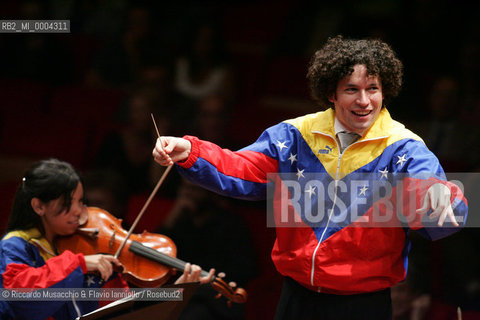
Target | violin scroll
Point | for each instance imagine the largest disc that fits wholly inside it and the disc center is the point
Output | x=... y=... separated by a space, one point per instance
x=237 y=295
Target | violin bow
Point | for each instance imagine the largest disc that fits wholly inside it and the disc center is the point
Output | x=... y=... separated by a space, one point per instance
x=147 y=203
x=237 y=295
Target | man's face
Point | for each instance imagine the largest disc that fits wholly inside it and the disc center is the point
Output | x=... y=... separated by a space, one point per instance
x=358 y=100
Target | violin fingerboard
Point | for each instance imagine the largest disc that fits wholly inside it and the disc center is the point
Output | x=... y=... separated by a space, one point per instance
x=154 y=255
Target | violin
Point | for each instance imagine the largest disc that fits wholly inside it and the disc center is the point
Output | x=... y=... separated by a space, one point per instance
x=148 y=259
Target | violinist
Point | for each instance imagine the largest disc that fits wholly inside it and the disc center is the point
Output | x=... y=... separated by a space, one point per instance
x=49 y=203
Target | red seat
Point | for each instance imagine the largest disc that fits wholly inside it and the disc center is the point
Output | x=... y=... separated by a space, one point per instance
x=154 y=215
x=251 y=118
x=7 y=194
x=19 y=97
x=250 y=74
x=248 y=122
x=85 y=103
x=42 y=136
x=287 y=76
x=255 y=23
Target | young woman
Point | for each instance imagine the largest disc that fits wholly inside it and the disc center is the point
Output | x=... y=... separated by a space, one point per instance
x=49 y=203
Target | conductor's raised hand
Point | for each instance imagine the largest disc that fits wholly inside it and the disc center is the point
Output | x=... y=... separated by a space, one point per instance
x=437 y=199
x=169 y=150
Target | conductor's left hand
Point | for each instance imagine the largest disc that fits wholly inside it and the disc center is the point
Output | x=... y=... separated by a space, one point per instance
x=438 y=199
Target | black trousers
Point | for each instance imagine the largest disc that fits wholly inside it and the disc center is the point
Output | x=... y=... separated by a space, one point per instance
x=299 y=303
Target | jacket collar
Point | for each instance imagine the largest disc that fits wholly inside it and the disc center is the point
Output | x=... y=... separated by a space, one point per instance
x=324 y=123
x=34 y=236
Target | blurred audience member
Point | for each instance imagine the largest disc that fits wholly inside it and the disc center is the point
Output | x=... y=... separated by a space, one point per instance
x=156 y=75
x=106 y=189
x=456 y=281
x=101 y=19
x=127 y=151
x=407 y=304
x=119 y=62
x=212 y=120
x=450 y=283
x=202 y=70
x=443 y=132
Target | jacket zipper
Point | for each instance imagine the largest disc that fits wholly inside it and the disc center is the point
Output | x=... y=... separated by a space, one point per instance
x=312 y=273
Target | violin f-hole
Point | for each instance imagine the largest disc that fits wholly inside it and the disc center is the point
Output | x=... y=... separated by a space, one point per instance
x=112 y=239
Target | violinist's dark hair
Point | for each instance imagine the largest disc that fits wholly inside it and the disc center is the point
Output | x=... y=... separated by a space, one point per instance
x=46 y=180
x=338 y=57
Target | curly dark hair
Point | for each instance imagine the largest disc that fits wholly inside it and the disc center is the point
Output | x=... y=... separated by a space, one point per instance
x=337 y=58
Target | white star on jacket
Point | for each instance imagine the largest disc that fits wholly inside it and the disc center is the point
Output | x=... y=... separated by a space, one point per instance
x=300 y=174
x=401 y=159
x=281 y=145
x=90 y=280
x=363 y=190
x=292 y=158
x=384 y=173
x=310 y=191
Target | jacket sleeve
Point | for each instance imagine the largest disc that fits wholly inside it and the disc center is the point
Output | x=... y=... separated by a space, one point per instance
x=422 y=170
x=63 y=271
x=20 y=271
x=240 y=174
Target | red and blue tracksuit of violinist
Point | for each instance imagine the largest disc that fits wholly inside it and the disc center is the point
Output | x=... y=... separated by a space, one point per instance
x=332 y=255
x=28 y=261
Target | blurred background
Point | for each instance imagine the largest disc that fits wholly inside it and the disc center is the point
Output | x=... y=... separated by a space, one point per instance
x=225 y=71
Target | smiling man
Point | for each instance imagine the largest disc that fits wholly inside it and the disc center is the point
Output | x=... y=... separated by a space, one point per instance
x=338 y=260
x=358 y=100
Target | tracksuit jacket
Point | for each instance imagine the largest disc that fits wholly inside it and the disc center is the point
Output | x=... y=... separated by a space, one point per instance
x=28 y=261
x=330 y=208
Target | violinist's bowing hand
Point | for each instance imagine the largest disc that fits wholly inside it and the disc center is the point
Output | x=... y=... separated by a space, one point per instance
x=102 y=263
x=192 y=273
x=171 y=149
